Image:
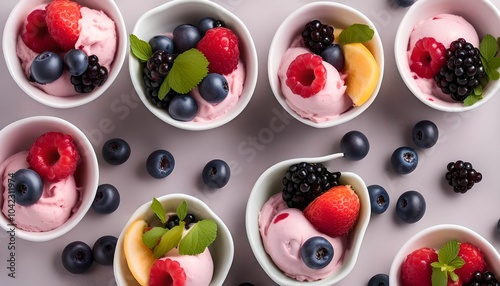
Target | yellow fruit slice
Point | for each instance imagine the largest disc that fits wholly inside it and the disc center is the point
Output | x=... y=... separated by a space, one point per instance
x=336 y=33
x=362 y=72
x=139 y=257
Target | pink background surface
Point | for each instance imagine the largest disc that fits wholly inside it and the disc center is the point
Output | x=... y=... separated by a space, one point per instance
x=261 y=136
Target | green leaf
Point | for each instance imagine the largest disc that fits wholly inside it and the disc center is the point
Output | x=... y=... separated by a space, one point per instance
x=488 y=47
x=164 y=89
x=492 y=73
x=453 y=276
x=471 y=99
x=140 y=49
x=182 y=210
x=198 y=238
x=494 y=63
x=439 y=278
x=188 y=70
x=478 y=90
x=159 y=210
x=448 y=252
x=151 y=237
x=457 y=263
x=356 y=33
x=169 y=240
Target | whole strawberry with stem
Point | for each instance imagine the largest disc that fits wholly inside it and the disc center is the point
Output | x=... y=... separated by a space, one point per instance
x=62 y=22
x=416 y=270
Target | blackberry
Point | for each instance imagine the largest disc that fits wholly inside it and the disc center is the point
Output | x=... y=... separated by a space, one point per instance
x=304 y=182
x=173 y=220
x=155 y=70
x=317 y=36
x=462 y=71
x=462 y=176
x=483 y=279
x=94 y=76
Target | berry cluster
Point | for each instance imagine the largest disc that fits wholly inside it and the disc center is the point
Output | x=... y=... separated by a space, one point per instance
x=95 y=75
x=173 y=220
x=317 y=36
x=483 y=279
x=462 y=176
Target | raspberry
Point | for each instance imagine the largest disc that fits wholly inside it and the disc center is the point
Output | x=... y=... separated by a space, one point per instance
x=474 y=262
x=62 y=22
x=306 y=75
x=416 y=269
x=317 y=36
x=220 y=47
x=427 y=57
x=53 y=156
x=167 y=272
x=36 y=34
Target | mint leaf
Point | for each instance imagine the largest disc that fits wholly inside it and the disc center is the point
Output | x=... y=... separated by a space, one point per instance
x=198 y=238
x=140 y=49
x=188 y=70
x=448 y=252
x=493 y=74
x=151 y=237
x=164 y=89
x=169 y=240
x=471 y=99
x=356 y=33
x=494 y=63
x=159 y=210
x=457 y=263
x=439 y=278
x=488 y=47
x=182 y=210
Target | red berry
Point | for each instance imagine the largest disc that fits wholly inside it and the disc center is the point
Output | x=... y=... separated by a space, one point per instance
x=220 y=47
x=306 y=75
x=36 y=35
x=416 y=269
x=474 y=262
x=167 y=272
x=53 y=156
x=427 y=57
x=62 y=21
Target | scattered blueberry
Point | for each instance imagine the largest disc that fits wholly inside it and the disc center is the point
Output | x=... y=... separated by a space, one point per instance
x=216 y=174
x=46 y=67
x=162 y=42
x=183 y=107
x=115 y=151
x=76 y=62
x=405 y=3
x=354 y=145
x=333 y=55
x=410 y=207
x=425 y=134
x=208 y=23
x=27 y=186
x=379 y=280
x=160 y=164
x=77 y=257
x=404 y=160
x=106 y=200
x=214 y=88
x=104 y=249
x=185 y=37
x=498 y=226
x=379 y=199
x=316 y=252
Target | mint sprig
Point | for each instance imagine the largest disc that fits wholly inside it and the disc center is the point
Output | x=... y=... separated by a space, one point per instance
x=158 y=209
x=356 y=33
x=448 y=262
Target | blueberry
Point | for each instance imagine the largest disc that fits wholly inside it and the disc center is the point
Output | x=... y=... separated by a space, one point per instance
x=106 y=200
x=77 y=257
x=410 y=206
x=76 y=62
x=214 y=88
x=160 y=164
x=316 y=252
x=208 y=23
x=379 y=280
x=333 y=55
x=425 y=134
x=404 y=160
x=115 y=151
x=183 y=107
x=405 y=3
x=354 y=145
x=27 y=186
x=498 y=226
x=379 y=199
x=104 y=249
x=216 y=174
x=46 y=67
x=185 y=36
x=161 y=42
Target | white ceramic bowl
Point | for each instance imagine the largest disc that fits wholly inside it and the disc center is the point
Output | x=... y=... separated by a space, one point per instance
x=435 y=237
x=337 y=15
x=12 y=29
x=165 y=18
x=19 y=136
x=222 y=249
x=483 y=16
x=270 y=183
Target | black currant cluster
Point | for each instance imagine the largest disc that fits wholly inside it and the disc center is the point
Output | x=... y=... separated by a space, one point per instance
x=155 y=70
x=94 y=76
x=462 y=71
x=304 y=182
x=317 y=36
x=462 y=176
x=483 y=279
x=173 y=220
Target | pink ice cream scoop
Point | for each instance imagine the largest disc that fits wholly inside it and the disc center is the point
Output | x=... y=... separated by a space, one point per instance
x=284 y=230
x=199 y=269
x=58 y=202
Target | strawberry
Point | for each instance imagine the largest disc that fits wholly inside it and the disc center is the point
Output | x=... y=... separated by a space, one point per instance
x=220 y=47
x=427 y=57
x=416 y=270
x=306 y=75
x=334 y=212
x=474 y=261
x=454 y=283
x=167 y=272
x=62 y=22
x=36 y=35
x=53 y=156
